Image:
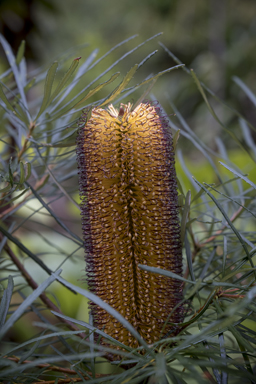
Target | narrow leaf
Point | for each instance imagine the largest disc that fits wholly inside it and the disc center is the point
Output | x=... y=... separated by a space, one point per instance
x=239 y=175
x=89 y=94
x=24 y=190
x=26 y=303
x=160 y=74
x=25 y=250
x=246 y=90
x=164 y=272
x=10 y=172
x=189 y=257
x=6 y=189
x=13 y=65
x=121 y=86
x=28 y=170
x=5 y=100
x=22 y=173
x=30 y=84
x=48 y=88
x=175 y=139
x=147 y=58
x=225 y=252
x=54 y=359
x=144 y=95
x=57 y=219
x=231 y=199
x=107 y=308
x=231 y=133
x=98 y=88
x=21 y=51
x=185 y=214
x=66 y=77
x=67 y=106
x=81 y=71
x=6 y=300
x=228 y=220
x=173 y=56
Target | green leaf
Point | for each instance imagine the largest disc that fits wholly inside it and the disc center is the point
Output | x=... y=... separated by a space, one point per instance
x=30 y=84
x=199 y=86
x=231 y=199
x=206 y=305
x=98 y=88
x=21 y=51
x=67 y=106
x=28 y=165
x=25 y=250
x=10 y=173
x=65 y=78
x=219 y=206
x=57 y=219
x=225 y=252
x=246 y=90
x=54 y=359
x=89 y=94
x=189 y=257
x=121 y=86
x=5 y=100
x=145 y=94
x=108 y=309
x=24 y=190
x=48 y=88
x=160 y=74
x=10 y=57
x=164 y=272
x=239 y=175
x=22 y=173
x=6 y=189
x=199 y=194
x=180 y=186
x=173 y=57
x=6 y=300
x=26 y=303
x=175 y=139
x=186 y=210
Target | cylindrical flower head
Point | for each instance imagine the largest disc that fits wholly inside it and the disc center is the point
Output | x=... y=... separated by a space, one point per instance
x=129 y=217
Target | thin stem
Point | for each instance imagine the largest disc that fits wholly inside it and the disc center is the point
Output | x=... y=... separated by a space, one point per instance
x=54 y=368
x=38 y=185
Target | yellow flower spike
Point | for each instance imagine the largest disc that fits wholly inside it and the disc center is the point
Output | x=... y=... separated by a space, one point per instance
x=130 y=217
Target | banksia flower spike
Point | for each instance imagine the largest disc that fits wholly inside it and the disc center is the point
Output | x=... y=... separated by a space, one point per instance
x=129 y=217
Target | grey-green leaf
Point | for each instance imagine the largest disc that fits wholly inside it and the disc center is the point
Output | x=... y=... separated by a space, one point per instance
x=65 y=78
x=6 y=300
x=21 y=51
x=48 y=88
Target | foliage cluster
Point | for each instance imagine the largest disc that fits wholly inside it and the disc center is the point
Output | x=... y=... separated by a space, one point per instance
x=42 y=251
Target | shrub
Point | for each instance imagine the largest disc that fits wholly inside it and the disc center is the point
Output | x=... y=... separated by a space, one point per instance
x=47 y=334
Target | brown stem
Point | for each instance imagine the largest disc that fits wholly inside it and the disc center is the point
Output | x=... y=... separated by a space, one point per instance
x=62 y=381
x=232 y=296
x=51 y=367
x=25 y=145
x=37 y=186
x=219 y=232
x=56 y=369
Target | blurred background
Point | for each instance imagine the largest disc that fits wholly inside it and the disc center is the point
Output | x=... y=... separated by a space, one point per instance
x=217 y=38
